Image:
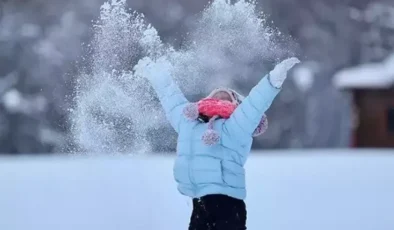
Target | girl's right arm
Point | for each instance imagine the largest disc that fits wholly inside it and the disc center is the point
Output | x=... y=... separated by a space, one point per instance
x=171 y=97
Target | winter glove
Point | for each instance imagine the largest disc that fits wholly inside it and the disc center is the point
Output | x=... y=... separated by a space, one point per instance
x=278 y=75
x=153 y=70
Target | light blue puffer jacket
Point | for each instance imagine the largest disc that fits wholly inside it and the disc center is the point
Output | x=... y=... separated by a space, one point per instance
x=200 y=169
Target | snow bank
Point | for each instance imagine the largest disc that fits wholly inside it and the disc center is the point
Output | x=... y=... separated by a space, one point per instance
x=371 y=75
x=292 y=190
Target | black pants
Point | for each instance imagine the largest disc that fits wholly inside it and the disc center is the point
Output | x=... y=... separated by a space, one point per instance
x=218 y=212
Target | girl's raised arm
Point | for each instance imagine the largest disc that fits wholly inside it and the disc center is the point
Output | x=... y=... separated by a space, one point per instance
x=248 y=114
x=171 y=97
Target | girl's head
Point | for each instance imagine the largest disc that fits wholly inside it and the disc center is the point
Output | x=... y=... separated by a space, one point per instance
x=226 y=94
x=222 y=95
x=220 y=103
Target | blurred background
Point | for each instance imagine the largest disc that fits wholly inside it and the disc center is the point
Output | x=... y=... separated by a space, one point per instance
x=342 y=95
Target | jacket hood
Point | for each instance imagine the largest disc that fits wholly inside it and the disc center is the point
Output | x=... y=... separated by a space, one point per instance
x=236 y=97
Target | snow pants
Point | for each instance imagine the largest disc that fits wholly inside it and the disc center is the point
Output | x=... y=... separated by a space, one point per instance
x=218 y=212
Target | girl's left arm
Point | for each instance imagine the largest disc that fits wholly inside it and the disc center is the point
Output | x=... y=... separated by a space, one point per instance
x=248 y=114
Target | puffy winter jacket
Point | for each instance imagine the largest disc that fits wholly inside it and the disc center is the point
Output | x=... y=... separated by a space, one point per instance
x=200 y=169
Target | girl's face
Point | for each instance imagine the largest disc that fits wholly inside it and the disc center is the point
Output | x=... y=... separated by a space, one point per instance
x=222 y=96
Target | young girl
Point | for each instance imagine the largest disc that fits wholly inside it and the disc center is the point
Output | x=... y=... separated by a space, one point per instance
x=214 y=140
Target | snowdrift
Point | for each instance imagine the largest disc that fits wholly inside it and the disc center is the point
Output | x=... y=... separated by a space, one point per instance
x=290 y=190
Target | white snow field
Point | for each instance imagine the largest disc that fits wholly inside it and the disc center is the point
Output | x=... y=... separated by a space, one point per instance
x=287 y=190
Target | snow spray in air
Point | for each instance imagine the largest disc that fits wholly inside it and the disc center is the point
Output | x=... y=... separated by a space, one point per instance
x=116 y=111
x=113 y=108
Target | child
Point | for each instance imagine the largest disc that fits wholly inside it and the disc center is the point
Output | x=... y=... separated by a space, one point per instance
x=214 y=140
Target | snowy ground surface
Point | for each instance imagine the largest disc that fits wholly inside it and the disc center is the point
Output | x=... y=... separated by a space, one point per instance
x=292 y=190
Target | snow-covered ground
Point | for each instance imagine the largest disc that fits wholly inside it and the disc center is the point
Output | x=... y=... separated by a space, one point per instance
x=292 y=190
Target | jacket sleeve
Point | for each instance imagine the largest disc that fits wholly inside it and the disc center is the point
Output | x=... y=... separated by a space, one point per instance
x=171 y=98
x=248 y=114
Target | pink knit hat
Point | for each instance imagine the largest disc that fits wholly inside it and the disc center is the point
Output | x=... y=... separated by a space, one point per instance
x=212 y=137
